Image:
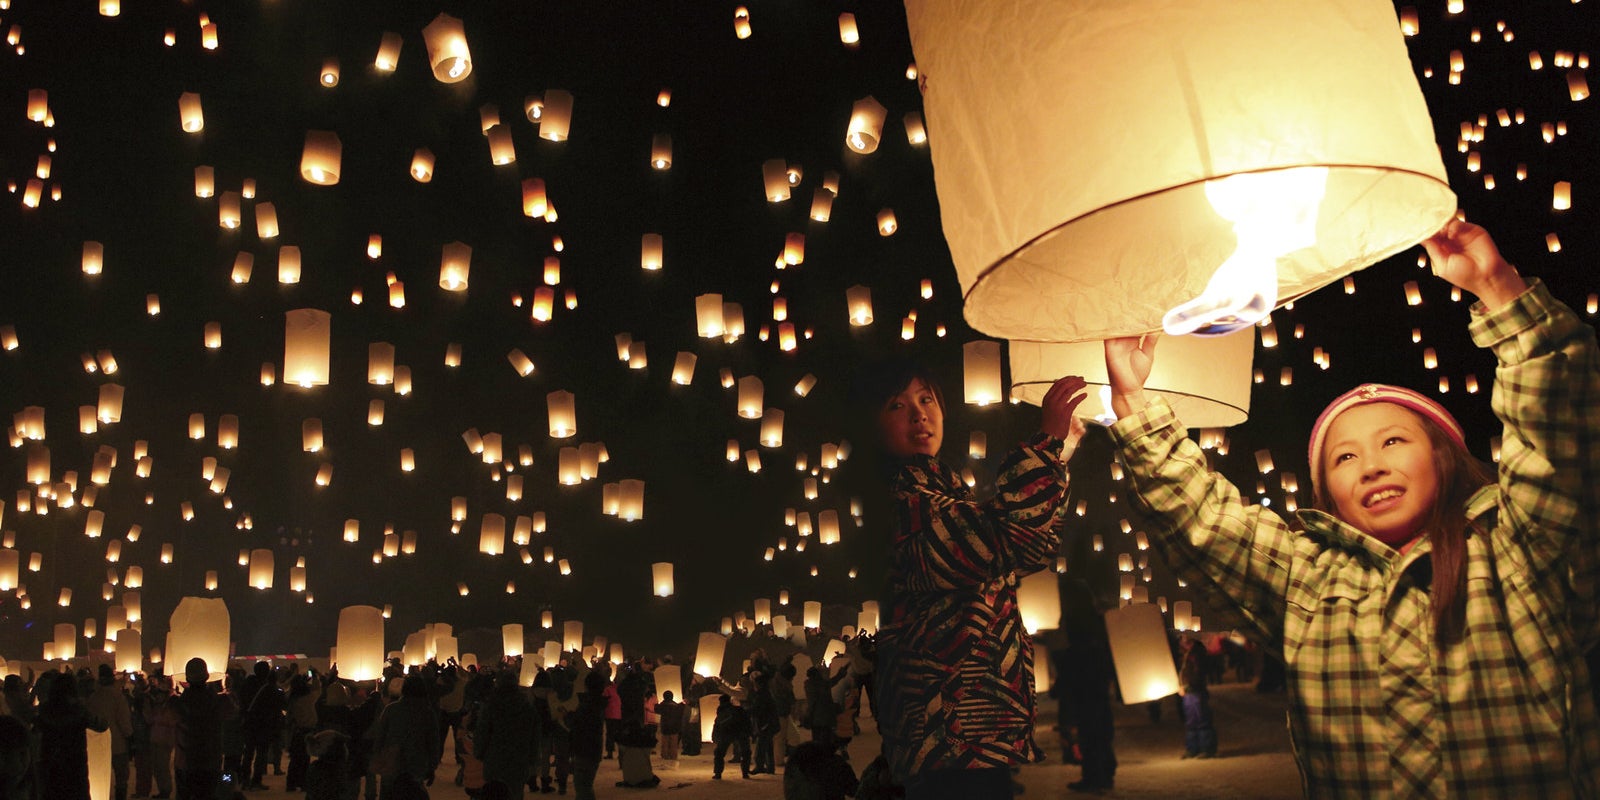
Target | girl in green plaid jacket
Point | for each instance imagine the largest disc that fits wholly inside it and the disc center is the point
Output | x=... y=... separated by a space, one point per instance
x=1433 y=617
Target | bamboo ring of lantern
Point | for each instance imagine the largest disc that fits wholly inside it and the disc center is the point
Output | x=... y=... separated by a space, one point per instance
x=1205 y=379
x=448 y=56
x=1104 y=239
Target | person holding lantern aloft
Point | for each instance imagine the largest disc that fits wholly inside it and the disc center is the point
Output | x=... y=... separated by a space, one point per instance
x=1433 y=616
x=955 y=665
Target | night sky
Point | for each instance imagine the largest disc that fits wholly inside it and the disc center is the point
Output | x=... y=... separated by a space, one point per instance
x=125 y=170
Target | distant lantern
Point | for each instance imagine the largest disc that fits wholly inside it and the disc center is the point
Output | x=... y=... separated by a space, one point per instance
x=422 y=165
x=1561 y=197
x=567 y=467
x=978 y=446
x=741 y=28
x=109 y=407
x=828 y=526
x=650 y=251
x=1035 y=265
x=189 y=113
x=329 y=77
x=39 y=100
x=388 y=52
x=520 y=362
x=661 y=578
x=858 y=299
x=562 y=412
x=750 y=397
x=66 y=641
x=866 y=125
x=556 y=122
x=454 y=266
x=981 y=369
x=261 y=568
x=448 y=55
x=375 y=412
x=244 y=265
x=1205 y=379
x=821 y=204
x=630 y=499
x=502 y=150
x=492 y=535
x=916 y=134
x=266 y=221
x=887 y=224
x=408 y=460
x=228 y=215
x=775 y=179
x=288 y=264
x=812 y=614
x=307 y=332
x=683 y=368
x=535 y=202
x=709 y=654
x=772 y=428
x=201 y=628
x=661 y=151
x=708 y=315
x=211 y=580
x=1577 y=85
x=205 y=181
x=794 y=249
x=806 y=383
x=311 y=435
x=849 y=35
x=94 y=258
x=319 y=161
x=213 y=335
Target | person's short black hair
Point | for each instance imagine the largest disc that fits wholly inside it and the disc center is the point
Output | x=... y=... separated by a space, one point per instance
x=876 y=382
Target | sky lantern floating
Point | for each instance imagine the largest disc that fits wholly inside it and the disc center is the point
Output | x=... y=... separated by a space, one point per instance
x=422 y=165
x=772 y=428
x=563 y=414
x=388 y=56
x=661 y=151
x=865 y=128
x=266 y=221
x=307 y=333
x=261 y=568
x=39 y=104
x=806 y=383
x=329 y=77
x=1135 y=631
x=978 y=446
x=321 y=157
x=244 y=263
x=213 y=335
x=109 y=406
x=1561 y=197
x=821 y=204
x=1051 y=246
x=520 y=362
x=492 y=535
x=630 y=499
x=849 y=35
x=455 y=264
x=359 y=643
x=502 y=150
x=288 y=264
x=981 y=372
x=775 y=179
x=812 y=614
x=200 y=627
x=650 y=252
x=311 y=435
x=858 y=299
x=448 y=55
x=887 y=224
x=408 y=460
x=741 y=29
x=1205 y=379
x=661 y=578
x=555 y=123
x=190 y=115
x=751 y=397
x=683 y=368
x=66 y=640
x=916 y=133
x=94 y=258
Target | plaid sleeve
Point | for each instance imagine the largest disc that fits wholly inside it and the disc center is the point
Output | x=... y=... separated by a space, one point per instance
x=947 y=541
x=1236 y=554
x=1547 y=394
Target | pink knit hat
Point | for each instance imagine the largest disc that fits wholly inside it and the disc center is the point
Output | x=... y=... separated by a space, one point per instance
x=1376 y=393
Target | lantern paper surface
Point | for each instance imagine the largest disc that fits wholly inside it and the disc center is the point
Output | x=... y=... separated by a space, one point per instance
x=1205 y=379
x=360 y=643
x=709 y=654
x=200 y=628
x=1139 y=649
x=1099 y=238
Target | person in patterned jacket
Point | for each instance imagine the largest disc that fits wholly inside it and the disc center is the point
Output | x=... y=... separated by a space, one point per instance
x=955 y=671
x=1433 y=617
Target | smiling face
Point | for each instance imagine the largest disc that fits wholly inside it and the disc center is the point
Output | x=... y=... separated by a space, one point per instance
x=1379 y=471
x=912 y=421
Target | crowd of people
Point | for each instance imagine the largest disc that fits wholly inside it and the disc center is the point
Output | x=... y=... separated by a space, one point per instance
x=390 y=739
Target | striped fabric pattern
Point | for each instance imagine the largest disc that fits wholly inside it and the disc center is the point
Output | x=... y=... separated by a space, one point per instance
x=955 y=664
x=1378 y=710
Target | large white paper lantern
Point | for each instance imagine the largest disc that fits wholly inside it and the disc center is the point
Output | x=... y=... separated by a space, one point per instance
x=200 y=627
x=709 y=653
x=360 y=643
x=1205 y=379
x=1072 y=144
x=307 y=332
x=448 y=55
x=511 y=639
x=1039 y=600
x=1140 y=651
x=130 y=650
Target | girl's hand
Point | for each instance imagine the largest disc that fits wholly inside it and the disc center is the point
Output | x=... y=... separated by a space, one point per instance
x=1128 y=363
x=1060 y=405
x=1465 y=255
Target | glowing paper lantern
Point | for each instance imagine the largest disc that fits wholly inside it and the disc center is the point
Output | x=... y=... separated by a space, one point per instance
x=1082 y=246
x=380 y=363
x=1039 y=599
x=109 y=405
x=981 y=368
x=709 y=654
x=708 y=315
x=750 y=397
x=261 y=569
x=200 y=628
x=511 y=639
x=661 y=151
x=190 y=115
x=556 y=121
x=359 y=643
x=1140 y=651
x=492 y=535
x=94 y=257
x=683 y=368
x=812 y=614
x=454 y=266
x=630 y=499
x=866 y=125
x=563 y=414
x=661 y=578
x=321 y=157
x=388 y=52
x=422 y=165
x=775 y=177
x=307 y=332
x=1205 y=379
x=448 y=55
x=650 y=253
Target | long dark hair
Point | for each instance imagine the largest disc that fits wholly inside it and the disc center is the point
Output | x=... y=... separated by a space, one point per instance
x=1460 y=475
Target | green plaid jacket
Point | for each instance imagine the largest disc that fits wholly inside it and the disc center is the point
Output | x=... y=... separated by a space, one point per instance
x=1377 y=708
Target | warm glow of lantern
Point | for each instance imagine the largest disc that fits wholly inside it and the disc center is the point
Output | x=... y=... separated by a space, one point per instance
x=866 y=125
x=448 y=55
x=320 y=160
x=190 y=114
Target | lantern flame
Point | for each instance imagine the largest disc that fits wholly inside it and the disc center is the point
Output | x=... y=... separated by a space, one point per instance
x=1273 y=214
